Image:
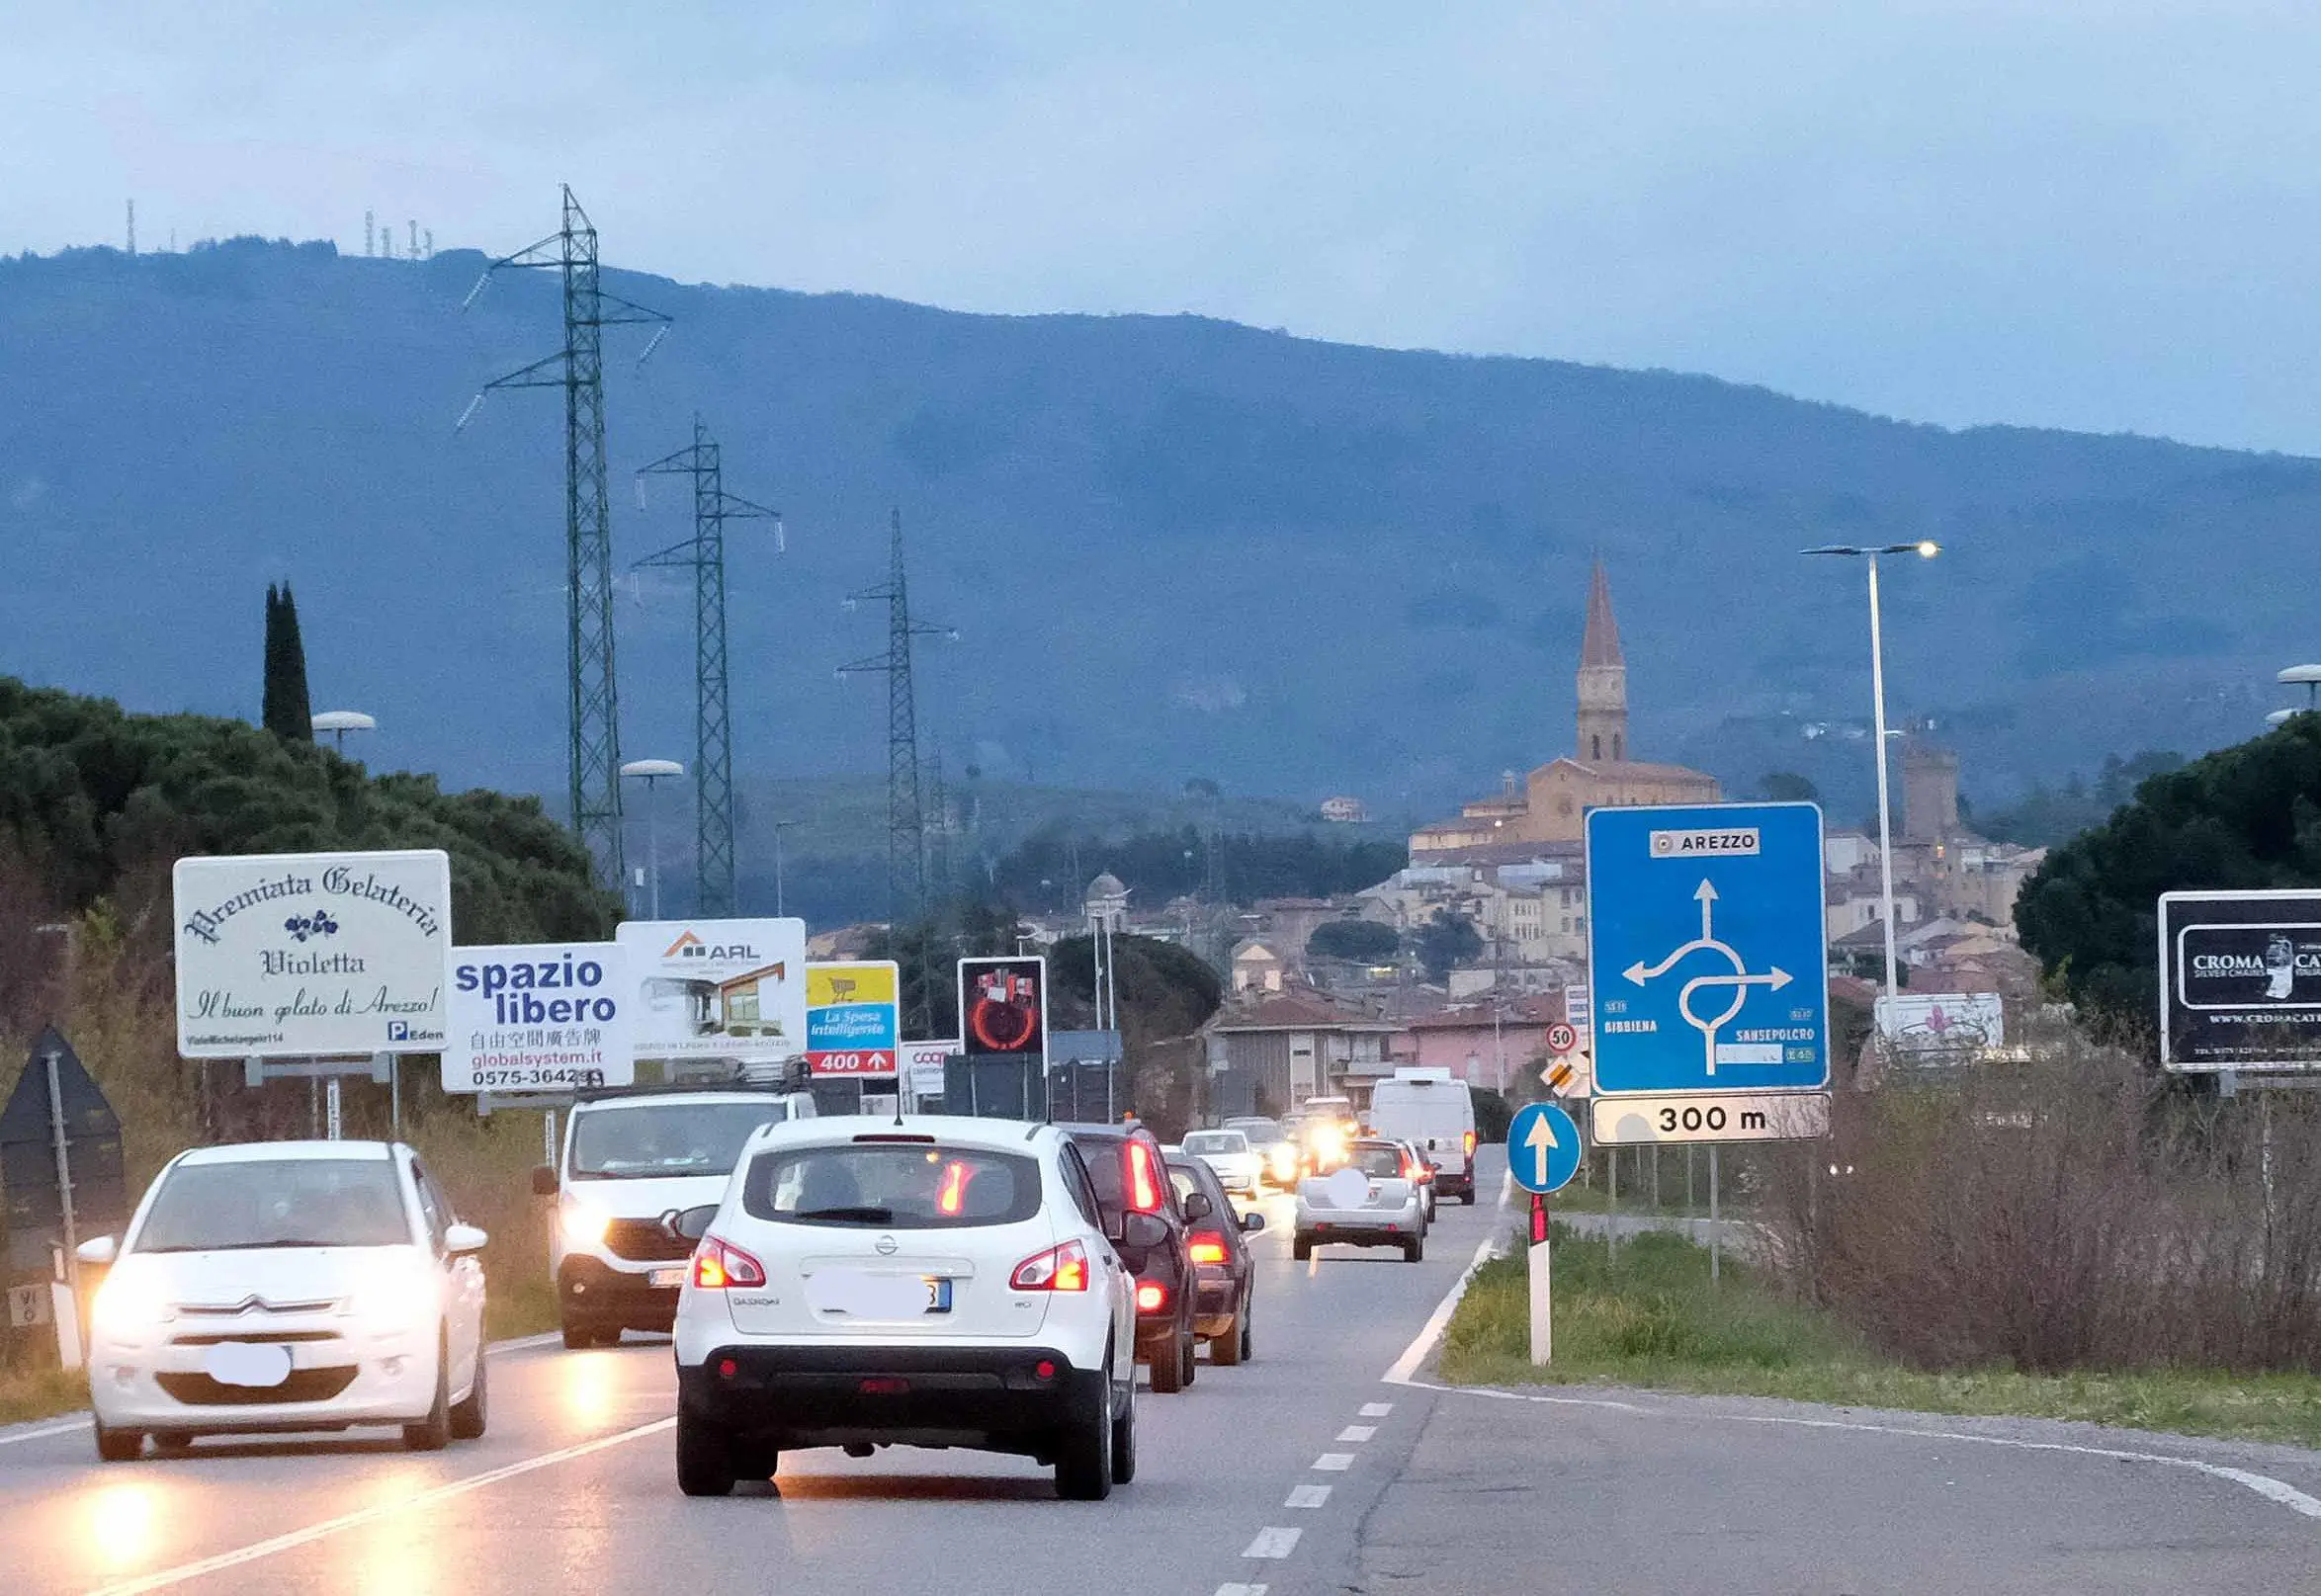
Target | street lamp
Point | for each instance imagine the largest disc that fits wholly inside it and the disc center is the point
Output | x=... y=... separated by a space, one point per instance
x=652 y=772
x=1925 y=549
x=780 y=826
x=338 y=723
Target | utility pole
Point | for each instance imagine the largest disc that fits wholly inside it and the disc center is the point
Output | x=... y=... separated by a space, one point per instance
x=578 y=369
x=906 y=822
x=713 y=730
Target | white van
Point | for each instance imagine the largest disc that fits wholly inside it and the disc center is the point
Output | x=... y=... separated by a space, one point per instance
x=630 y=1158
x=1435 y=1114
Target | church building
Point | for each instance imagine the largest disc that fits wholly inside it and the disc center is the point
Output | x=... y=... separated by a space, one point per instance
x=1551 y=803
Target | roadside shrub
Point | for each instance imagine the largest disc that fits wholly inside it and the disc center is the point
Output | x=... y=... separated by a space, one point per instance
x=2073 y=1212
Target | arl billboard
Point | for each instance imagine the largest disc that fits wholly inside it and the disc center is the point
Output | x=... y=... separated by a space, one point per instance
x=2240 y=979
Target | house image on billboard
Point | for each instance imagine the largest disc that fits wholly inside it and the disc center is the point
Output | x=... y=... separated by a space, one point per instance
x=708 y=1007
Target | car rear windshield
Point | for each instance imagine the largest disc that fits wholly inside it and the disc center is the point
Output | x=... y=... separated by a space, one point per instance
x=1216 y=1141
x=899 y=1185
x=1385 y=1163
x=277 y=1203
x=634 y=1142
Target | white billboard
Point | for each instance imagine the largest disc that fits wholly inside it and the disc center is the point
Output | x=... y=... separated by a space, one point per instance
x=307 y=955
x=718 y=988
x=539 y=1017
x=923 y=1066
x=1943 y=1022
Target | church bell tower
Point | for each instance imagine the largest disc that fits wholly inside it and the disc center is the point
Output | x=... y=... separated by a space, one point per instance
x=1604 y=679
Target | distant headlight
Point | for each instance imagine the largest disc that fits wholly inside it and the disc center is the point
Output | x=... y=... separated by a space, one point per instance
x=1285 y=1160
x=131 y=1302
x=584 y=1227
x=398 y=1292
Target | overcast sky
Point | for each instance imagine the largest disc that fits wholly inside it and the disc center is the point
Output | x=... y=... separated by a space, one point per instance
x=2099 y=215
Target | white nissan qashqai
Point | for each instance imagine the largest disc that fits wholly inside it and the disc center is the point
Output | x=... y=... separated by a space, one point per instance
x=937 y=1282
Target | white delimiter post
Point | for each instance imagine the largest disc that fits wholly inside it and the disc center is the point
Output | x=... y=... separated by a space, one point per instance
x=1542 y=1298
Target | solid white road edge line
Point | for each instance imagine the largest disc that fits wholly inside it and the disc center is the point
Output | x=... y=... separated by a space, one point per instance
x=66 y=1428
x=1431 y=1331
x=369 y=1515
x=80 y=1415
x=2265 y=1486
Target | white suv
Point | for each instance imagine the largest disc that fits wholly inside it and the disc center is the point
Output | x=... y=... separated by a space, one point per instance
x=629 y=1159
x=942 y=1282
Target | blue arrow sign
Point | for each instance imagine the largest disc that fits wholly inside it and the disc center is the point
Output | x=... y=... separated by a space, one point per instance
x=1543 y=1147
x=1706 y=948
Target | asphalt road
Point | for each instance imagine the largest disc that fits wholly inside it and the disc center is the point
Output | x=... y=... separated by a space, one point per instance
x=1305 y=1471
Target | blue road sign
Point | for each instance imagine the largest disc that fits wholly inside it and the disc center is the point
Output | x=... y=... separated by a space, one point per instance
x=1706 y=949
x=1543 y=1147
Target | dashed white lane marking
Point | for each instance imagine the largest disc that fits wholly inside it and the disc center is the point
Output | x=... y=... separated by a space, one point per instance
x=1336 y=1462
x=1240 y=1590
x=66 y=1428
x=1306 y=1496
x=1358 y=1431
x=1273 y=1542
x=1376 y=1410
x=2265 y=1486
x=347 y=1521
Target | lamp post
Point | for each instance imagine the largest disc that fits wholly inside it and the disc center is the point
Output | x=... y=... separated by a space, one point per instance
x=652 y=772
x=1926 y=550
x=780 y=826
x=338 y=723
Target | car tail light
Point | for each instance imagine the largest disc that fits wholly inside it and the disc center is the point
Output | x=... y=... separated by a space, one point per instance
x=1059 y=1269
x=1143 y=1181
x=1151 y=1297
x=718 y=1264
x=1208 y=1247
x=1468 y=1142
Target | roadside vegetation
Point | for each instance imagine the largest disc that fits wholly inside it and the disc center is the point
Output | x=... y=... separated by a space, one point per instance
x=2070 y=1238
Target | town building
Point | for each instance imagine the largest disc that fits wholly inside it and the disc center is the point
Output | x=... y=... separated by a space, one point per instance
x=1550 y=804
x=1345 y=811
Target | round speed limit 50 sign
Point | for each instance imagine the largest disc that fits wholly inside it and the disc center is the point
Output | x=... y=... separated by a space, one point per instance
x=1561 y=1038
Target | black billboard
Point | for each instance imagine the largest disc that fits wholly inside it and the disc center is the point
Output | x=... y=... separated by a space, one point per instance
x=1003 y=1007
x=2240 y=979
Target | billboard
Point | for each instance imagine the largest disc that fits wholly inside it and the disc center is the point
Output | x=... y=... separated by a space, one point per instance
x=718 y=988
x=539 y=1017
x=853 y=1018
x=1003 y=1007
x=1943 y=1022
x=2240 y=979
x=308 y=955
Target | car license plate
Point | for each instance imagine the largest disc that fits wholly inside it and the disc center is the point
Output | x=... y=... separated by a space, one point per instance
x=666 y=1276
x=255 y=1363
x=938 y=1295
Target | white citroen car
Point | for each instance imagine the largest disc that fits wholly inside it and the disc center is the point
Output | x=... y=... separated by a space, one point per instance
x=941 y=1282
x=287 y=1285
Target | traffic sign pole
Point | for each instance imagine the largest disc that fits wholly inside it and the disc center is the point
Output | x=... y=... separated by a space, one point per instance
x=1716 y=1231
x=1542 y=1296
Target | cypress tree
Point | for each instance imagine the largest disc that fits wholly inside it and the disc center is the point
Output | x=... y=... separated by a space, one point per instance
x=288 y=713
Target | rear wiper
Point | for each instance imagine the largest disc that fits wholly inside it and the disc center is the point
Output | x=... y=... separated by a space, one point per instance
x=860 y=1216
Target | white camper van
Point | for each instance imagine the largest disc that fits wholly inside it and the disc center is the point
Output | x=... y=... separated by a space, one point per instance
x=1435 y=1114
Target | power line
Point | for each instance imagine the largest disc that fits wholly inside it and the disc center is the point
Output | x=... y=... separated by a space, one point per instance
x=578 y=369
x=907 y=822
x=705 y=554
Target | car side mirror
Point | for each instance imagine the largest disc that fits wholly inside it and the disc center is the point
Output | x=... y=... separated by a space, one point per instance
x=544 y=1181
x=1143 y=1230
x=691 y=1224
x=1197 y=1205
x=460 y=1238
x=99 y=1250
x=1253 y=1222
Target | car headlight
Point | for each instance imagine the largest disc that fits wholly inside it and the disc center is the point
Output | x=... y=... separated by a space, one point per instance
x=584 y=1227
x=398 y=1292
x=131 y=1304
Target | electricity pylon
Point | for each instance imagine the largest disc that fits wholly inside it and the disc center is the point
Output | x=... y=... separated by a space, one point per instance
x=906 y=822
x=713 y=730
x=578 y=369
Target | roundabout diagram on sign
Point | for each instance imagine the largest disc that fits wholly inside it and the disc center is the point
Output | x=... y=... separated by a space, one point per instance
x=1705 y=990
